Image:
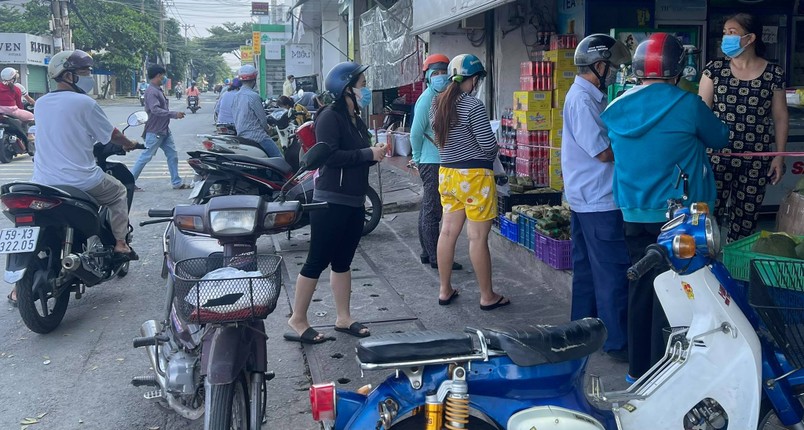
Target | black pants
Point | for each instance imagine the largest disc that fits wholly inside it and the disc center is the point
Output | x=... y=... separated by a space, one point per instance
x=430 y=212
x=741 y=183
x=334 y=235
x=646 y=318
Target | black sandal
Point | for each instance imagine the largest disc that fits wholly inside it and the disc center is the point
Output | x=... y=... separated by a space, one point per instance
x=11 y=299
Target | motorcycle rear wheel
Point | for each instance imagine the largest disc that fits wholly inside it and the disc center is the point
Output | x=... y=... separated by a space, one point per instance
x=7 y=150
x=40 y=310
x=229 y=406
x=373 y=211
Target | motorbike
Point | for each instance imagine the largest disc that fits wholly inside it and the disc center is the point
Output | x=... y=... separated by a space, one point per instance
x=62 y=241
x=192 y=103
x=223 y=170
x=141 y=94
x=178 y=94
x=720 y=369
x=15 y=138
x=208 y=352
x=225 y=129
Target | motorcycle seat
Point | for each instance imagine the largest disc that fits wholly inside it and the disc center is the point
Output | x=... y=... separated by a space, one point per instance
x=77 y=194
x=185 y=246
x=413 y=346
x=540 y=344
x=277 y=163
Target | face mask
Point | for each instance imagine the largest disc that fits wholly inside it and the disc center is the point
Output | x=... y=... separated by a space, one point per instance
x=611 y=77
x=476 y=87
x=439 y=82
x=362 y=96
x=85 y=83
x=164 y=80
x=730 y=45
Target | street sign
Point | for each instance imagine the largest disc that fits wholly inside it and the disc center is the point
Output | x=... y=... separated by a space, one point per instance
x=255 y=42
x=258 y=8
x=300 y=55
x=246 y=55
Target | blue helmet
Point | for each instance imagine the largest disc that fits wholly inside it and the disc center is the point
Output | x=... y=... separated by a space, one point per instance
x=464 y=66
x=226 y=81
x=341 y=76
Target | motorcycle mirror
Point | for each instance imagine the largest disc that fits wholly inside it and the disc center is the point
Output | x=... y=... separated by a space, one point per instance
x=137 y=118
x=315 y=157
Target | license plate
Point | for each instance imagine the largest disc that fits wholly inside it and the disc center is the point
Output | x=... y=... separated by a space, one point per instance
x=196 y=190
x=17 y=240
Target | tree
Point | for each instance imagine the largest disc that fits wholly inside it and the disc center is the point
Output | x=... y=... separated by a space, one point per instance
x=33 y=18
x=226 y=38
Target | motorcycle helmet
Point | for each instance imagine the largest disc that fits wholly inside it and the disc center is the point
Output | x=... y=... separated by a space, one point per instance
x=68 y=61
x=601 y=47
x=435 y=62
x=465 y=66
x=341 y=76
x=8 y=74
x=247 y=73
x=659 y=57
x=226 y=81
x=235 y=84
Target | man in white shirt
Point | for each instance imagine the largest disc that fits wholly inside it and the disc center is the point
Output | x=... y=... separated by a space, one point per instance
x=289 y=87
x=64 y=141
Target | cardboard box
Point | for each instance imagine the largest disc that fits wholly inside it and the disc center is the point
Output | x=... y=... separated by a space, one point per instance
x=555 y=138
x=556 y=119
x=564 y=58
x=558 y=98
x=532 y=119
x=562 y=86
x=563 y=78
x=555 y=178
x=532 y=100
x=555 y=158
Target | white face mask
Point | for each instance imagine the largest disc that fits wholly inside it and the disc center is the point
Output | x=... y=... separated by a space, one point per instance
x=85 y=83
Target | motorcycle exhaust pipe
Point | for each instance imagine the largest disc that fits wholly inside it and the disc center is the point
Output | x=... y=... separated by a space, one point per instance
x=73 y=263
x=150 y=328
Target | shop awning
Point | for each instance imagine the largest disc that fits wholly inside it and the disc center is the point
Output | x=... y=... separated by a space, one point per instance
x=388 y=47
x=429 y=15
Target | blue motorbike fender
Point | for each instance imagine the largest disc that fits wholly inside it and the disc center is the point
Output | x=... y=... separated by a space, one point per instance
x=227 y=352
x=16 y=265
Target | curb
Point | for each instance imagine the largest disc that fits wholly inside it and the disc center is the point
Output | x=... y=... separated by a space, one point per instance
x=398 y=207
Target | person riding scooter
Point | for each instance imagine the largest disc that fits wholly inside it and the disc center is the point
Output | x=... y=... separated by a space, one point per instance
x=193 y=91
x=11 y=96
x=249 y=116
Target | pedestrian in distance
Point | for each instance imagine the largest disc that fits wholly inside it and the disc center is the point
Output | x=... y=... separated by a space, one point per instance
x=599 y=254
x=157 y=129
x=249 y=116
x=657 y=129
x=289 y=87
x=467 y=150
x=747 y=92
x=343 y=181
x=427 y=160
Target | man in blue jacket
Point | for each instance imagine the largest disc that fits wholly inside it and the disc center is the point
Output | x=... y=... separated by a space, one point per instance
x=657 y=130
x=427 y=159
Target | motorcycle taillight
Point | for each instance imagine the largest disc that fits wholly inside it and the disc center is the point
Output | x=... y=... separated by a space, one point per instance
x=322 y=401
x=29 y=202
x=208 y=145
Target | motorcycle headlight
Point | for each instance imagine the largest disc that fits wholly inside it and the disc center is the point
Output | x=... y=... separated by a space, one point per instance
x=712 y=237
x=233 y=222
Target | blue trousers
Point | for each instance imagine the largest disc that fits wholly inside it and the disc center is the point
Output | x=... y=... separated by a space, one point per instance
x=270 y=148
x=153 y=142
x=600 y=260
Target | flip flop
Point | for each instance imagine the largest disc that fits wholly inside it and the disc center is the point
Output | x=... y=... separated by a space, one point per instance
x=355 y=330
x=182 y=187
x=11 y=299
x=309 y=336
x=454 y=294
x=496 y=305
x=123 y=256
x=136 y=188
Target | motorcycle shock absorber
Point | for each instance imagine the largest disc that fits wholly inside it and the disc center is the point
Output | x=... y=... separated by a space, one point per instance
x=433 y=411
x=456 y=414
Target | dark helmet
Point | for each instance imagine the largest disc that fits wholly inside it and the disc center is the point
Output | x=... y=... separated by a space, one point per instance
x=341 y=76
x=601 y=47
x=659 y=57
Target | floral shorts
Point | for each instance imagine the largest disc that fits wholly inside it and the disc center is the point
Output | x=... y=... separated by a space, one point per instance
x=471 y=190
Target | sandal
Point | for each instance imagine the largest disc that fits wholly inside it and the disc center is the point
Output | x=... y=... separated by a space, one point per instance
x=182 y=187
x=356 y=330
x=310 y=336
x=498 y=304
x=11 y=299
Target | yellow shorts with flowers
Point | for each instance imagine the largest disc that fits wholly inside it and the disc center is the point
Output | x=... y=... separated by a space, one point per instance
x=471 y=190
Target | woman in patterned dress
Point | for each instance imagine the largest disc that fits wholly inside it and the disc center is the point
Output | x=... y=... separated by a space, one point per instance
x=746 y=91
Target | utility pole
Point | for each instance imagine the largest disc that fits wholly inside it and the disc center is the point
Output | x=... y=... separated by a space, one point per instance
x=62 y=36
x=161 y=29
x=186 y=27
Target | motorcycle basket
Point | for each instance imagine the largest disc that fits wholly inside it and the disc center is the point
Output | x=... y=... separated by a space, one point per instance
x=776 y=292
x=217 y=290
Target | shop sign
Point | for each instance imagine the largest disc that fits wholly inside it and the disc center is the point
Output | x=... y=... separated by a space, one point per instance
x=246 y=55
x=680 y=10
x=21 y=48
x=255 y=42
x=770 y=34
x=272 y=51
x=273 y=37
x=300 y=55
x=258 y=8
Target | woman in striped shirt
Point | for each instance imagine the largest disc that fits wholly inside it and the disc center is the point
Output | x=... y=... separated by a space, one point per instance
x=466 y=177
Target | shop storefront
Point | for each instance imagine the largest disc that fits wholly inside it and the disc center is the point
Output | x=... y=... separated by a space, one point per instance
x=29 y=54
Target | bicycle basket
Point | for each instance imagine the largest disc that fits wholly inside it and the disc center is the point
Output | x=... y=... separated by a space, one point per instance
x=217 y=289
x=776 y=292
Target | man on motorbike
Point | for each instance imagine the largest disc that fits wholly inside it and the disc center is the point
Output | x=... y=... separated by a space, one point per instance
x=193 y=91
x=224 y=106
x=249 y=116
x=178 y=90
x=68 y=124
x=11 y=96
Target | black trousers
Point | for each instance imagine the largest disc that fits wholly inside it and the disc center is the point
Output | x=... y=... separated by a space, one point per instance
x=430 y=212
x=334 y=235
x=646 y=318
x=741 y=183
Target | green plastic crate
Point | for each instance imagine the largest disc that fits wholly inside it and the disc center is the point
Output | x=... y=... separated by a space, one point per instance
x=737 y=257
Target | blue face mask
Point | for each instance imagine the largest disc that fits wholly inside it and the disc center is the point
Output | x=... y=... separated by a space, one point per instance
x=439 y=82
x=164 y=80
x=363 y=96
x=730 y=45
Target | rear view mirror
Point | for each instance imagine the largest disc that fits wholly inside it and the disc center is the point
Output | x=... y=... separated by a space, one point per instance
x=315 y=157
x=137 y=118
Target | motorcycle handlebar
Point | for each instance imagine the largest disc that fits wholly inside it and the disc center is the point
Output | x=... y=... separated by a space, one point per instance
x=653 y=256
x=160 y=213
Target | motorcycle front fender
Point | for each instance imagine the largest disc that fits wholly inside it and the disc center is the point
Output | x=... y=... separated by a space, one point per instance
x=16 y=265
x=226 y=353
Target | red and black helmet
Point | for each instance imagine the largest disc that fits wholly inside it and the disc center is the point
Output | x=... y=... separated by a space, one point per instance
x=659 y=57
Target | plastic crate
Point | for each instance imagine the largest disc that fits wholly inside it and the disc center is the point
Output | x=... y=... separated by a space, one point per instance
x=509 y=229
x=776 y=292
x=737 y=257
x=505 y=203
x=527 y=226
x=205 y=300
x=556 y=253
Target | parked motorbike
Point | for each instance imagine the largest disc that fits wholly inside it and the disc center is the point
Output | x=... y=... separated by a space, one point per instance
x=15 y=138
x=208 y=352
x=192 y=103
x=225 y=129
x=222 y=170
x=61 y=242
x=717 y=363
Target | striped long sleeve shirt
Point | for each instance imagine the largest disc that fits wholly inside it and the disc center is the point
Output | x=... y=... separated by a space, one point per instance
x=470 y=143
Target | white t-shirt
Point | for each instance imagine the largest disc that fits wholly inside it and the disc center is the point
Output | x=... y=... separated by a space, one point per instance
x=67 y=126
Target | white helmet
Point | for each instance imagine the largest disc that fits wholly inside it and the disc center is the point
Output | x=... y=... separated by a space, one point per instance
x=68 y=60
x=8 y=74
x=247 y=73
x=22 y=88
